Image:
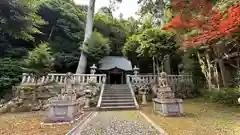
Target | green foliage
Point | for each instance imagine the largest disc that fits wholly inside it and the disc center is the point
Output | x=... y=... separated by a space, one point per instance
x=152 y=42
x=190 y=65
x=64 y=17
x=10 y=74
x=97 y=47
x=112 y=28
x=22 y=13
x=156 y=43
x=223 y=96
x=39 y=60
x=130 y=47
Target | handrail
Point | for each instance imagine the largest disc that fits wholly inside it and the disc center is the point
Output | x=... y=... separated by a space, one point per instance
x=132 y=92
x=101 y=92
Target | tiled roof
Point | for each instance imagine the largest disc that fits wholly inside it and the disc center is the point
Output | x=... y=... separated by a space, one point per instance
x=110 y=62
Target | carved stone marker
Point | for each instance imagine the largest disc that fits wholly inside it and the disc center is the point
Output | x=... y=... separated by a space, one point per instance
x=166 y=104
x=65 y=108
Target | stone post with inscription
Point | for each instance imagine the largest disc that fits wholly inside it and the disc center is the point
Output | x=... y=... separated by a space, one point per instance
x=166 y=104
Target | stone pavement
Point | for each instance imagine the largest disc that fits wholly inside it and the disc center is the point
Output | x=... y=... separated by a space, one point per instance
x=117 y=123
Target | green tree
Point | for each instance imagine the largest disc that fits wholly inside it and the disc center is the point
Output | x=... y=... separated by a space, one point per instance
x=97 y=47
x=22 y=13
x=130 y=48
x=88 y=33
x=10 y=74
x=156 y=43
x=39 y=60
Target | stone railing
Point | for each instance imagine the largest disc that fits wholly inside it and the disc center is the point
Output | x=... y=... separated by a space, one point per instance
x=61 y=78
x=151 y=79
x=101 y=92
x=180 y=84
x=132 y=91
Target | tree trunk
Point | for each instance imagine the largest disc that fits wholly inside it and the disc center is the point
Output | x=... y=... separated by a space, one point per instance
x=223 y=72
x=155 y=69
x=154 y=66
x=50 y=35
x=167 y=64
x=204 y=70
x=216 y=75
x=88 y=33
x=209 y=69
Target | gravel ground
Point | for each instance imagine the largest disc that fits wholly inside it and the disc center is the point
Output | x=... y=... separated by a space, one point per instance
x=117 y=123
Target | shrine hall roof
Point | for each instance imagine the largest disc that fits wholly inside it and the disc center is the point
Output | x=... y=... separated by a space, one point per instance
x=110 y=62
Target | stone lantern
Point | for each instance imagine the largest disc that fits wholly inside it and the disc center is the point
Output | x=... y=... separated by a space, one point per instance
x=93 y=69
x=92 y=79
x=88 y=95
x=135 y=70
x=144 y=90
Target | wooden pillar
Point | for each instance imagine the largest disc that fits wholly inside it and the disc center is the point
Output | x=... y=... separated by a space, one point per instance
x=109 y=78
x=122 y=78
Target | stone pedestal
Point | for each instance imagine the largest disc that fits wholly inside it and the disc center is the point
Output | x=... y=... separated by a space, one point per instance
x=63 y=111
x=168 y=107
x=144 y=99
x=165 y=93
x=144 y=90
x=166 y=104
x=87 y=103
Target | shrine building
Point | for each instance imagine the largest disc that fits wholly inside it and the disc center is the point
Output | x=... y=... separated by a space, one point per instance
x=116 y=68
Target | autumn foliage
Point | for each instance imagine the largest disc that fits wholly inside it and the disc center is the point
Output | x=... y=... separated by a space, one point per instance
x=210 y=23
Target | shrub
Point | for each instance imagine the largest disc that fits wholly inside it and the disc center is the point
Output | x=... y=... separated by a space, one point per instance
x=223 y=96
x=183 y=89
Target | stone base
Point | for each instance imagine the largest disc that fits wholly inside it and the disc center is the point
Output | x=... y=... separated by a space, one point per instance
x=165 y=93
x=63 y=111
x=168 y=107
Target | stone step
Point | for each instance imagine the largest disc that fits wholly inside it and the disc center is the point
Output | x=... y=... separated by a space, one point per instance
x=117 y=100
x=131 y=107
x=118 y=104
x=116 y=90
x=117 y=94
x=113 y=87
x=111 y=92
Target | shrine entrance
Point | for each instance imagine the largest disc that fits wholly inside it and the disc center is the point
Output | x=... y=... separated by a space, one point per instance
x=115 y=76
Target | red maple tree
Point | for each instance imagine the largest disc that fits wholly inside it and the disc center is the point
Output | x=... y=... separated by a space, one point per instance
x=212 y=24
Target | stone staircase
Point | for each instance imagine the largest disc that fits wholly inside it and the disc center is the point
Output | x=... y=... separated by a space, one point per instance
x=117 y=97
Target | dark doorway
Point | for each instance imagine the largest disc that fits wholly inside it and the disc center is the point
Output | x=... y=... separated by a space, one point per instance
x=115 y=78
